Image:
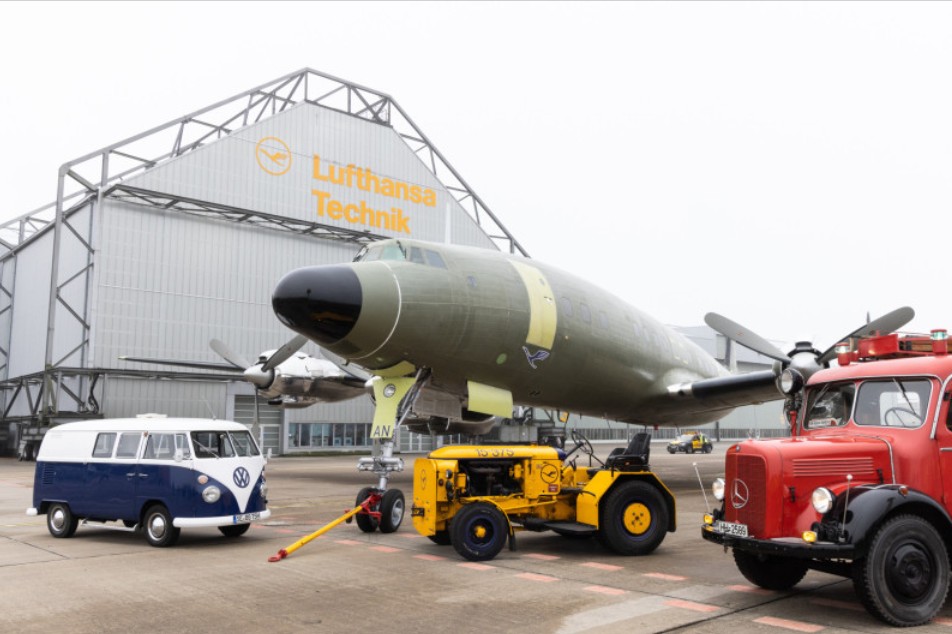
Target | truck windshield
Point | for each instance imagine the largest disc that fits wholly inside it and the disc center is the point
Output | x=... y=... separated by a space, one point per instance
x=895 y=402
x=829 y=405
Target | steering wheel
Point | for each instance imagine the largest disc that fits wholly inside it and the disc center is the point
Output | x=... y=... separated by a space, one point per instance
x=582 y=444
x=896 y=411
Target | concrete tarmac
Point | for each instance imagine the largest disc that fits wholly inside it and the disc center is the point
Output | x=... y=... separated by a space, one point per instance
x=350 y=581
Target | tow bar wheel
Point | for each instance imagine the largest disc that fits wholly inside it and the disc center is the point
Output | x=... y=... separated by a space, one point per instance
x=479 y=531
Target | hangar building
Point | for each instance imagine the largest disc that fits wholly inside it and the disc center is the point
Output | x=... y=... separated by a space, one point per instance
x=164 y=241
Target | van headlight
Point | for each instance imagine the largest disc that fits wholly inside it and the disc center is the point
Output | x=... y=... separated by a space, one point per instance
x=211 y=494
x=264 y=489
x=718 y=489
x=822 y=500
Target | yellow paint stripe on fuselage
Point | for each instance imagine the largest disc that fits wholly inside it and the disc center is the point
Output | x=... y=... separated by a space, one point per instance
x=543 y=317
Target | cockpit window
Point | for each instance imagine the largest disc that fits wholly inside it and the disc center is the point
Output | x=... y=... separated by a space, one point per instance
x=394 y=251
x=897 y=402
x=829 y=405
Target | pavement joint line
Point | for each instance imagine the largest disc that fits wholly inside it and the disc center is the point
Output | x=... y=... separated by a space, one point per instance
x=534 y=576
x=788 y=624
x=836 y=603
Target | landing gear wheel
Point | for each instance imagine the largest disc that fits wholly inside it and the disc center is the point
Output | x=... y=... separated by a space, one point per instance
x=159 y=530
x=634 y=519
x=234 y=530
x=904 y=578
x=392 y=507
x=365 y=522
x=479 y=531
x=772 y=573
x=60 y=520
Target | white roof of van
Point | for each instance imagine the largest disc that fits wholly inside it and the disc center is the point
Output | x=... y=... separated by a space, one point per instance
x=152 y=424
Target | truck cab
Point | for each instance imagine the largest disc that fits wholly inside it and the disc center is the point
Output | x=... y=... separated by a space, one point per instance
x=862 y=487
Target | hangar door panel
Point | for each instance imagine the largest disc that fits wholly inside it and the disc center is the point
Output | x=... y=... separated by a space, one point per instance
x=270 y=419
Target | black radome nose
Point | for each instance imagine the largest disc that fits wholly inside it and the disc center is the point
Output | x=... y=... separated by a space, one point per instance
x=320 y=302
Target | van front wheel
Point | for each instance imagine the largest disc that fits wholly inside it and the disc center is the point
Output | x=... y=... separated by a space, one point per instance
x=60 y=520
x=159 y=530
x=234 y=530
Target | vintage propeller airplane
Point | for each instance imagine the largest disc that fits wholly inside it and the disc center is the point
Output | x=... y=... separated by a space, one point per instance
x=285 y=377
x=455 y=336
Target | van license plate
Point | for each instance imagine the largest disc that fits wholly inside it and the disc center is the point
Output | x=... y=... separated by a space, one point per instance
x=730 y=528
x=250 y=517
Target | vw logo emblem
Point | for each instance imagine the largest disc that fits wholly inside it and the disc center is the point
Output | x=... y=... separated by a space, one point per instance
x=740 y=494
x=241 y=477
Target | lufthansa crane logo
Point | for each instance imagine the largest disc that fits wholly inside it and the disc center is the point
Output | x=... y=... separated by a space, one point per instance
x=241 y=477
x=273 y=155
x=740 y=494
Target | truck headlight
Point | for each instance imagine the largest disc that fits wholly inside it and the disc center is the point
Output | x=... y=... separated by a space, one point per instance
x=718 y=489
x=790 y=381
x=822 y=500
x=264 y=489
x=211 y=494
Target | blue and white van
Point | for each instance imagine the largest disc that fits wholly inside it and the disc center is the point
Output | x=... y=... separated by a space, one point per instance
x=151 y=473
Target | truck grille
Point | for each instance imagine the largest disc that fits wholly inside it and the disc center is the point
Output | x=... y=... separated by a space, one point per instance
x=752 y=471
x=861 y=467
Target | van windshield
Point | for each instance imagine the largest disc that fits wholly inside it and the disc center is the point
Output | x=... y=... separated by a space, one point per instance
x=222 y=444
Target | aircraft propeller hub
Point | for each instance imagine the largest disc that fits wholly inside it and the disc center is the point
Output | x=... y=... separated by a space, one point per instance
x=259 y=377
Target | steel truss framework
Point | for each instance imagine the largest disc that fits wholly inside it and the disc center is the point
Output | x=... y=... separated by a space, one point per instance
x=83 y=183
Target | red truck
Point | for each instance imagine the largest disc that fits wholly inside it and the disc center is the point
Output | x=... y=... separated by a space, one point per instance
x=861 y=489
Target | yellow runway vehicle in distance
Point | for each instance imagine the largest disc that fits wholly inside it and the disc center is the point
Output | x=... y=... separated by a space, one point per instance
x=691 y=442
x=477 y=497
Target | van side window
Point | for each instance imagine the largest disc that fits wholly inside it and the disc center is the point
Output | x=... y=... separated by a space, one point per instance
x=128 y=444
x=104 y=444
x=163 y=446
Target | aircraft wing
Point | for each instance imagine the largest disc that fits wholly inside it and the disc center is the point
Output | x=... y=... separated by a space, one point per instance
x=727 y=392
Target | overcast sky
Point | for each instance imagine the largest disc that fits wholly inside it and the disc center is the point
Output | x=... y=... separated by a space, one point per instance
x=786 y=164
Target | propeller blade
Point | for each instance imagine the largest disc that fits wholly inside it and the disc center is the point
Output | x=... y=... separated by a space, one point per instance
x=743 y=336
x=284 y=353
x=346 y=367
x=204 y=365
x=890 y=322
x=228 y=354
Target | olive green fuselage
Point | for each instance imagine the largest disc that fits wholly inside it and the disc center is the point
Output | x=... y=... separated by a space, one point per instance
x=548 y=337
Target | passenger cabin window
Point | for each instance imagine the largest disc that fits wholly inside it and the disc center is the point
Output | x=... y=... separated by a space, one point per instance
x=585 y=313
x=566 y=305
x=128 y=444
x=105 y=442
x=893 y=402
x=830 y=405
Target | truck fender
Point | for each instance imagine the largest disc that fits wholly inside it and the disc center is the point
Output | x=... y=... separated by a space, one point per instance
x=869 y=506
x=604 y=481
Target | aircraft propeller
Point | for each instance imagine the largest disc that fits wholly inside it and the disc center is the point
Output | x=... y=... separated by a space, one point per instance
x=804 y=358
x=260 y=374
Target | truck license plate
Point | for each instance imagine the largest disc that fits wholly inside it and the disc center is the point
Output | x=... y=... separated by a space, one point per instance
x=249 y=517
x=730 y=528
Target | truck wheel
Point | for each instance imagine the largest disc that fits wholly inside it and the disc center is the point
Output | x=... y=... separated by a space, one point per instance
x=365 y=522
x=391 y=510
x=234 y=530
x=479 y=531
x=708 y=448
x=634 y=519
x=772 y=573
x=159 y=530
x=671 y=450
x=904 y=578
x=60 y=520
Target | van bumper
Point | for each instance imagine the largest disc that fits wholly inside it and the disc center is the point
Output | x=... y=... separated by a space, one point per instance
x=32 y=512
x=222 y=520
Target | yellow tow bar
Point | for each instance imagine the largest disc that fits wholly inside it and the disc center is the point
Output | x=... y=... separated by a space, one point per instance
x=369 y=502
